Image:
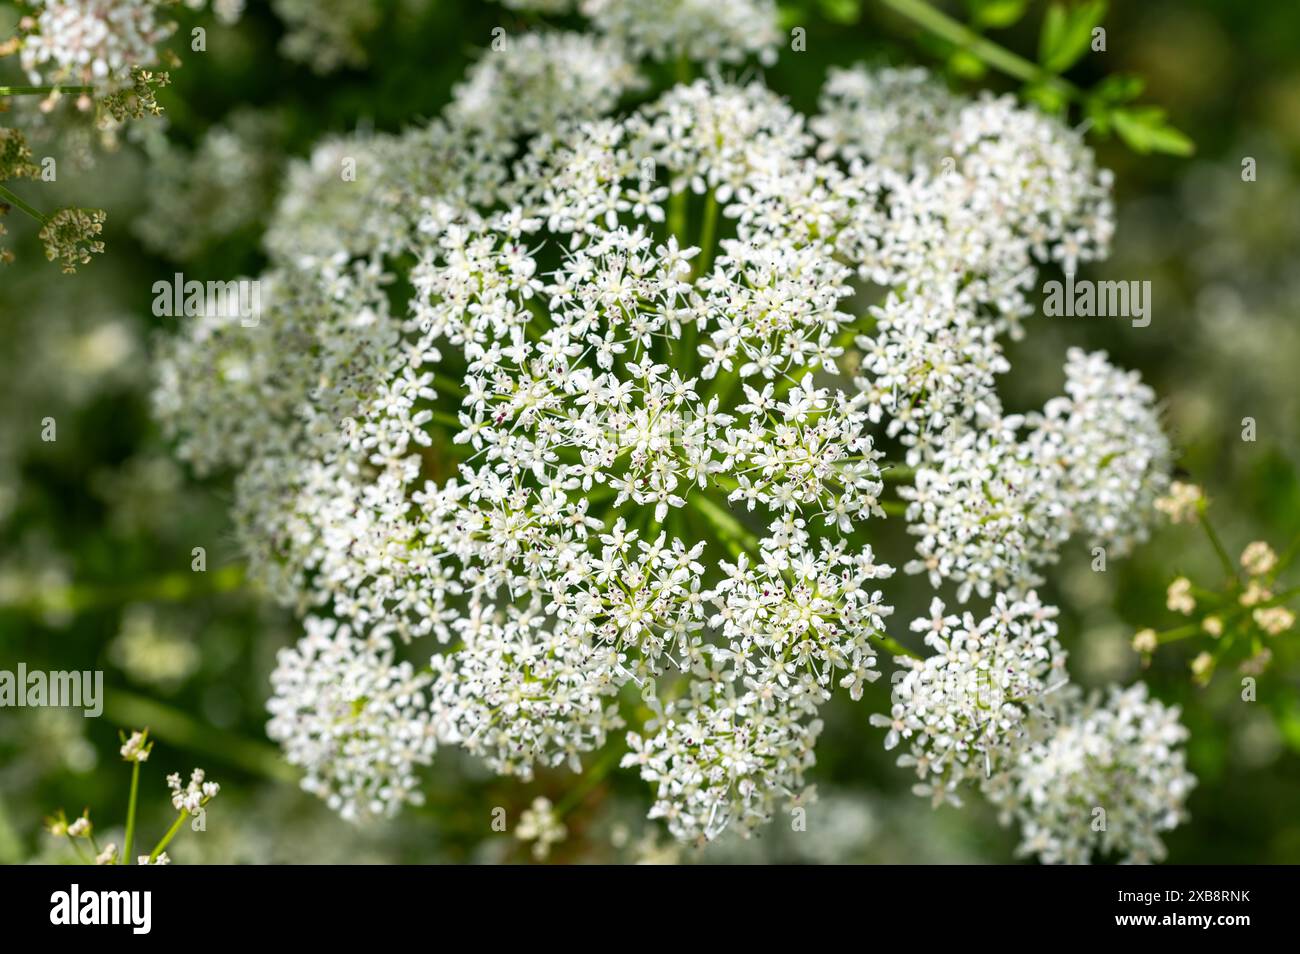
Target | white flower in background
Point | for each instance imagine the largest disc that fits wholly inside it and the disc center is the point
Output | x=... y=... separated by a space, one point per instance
x=226 y=184
x=1179 y=596
x=538 y=79
x=99 y=42
x=1273 y=620
x=553 y=7
x=540 y=824
x=613 y=473
x=1258 y=559
x=94 y=42
x=695 y=29
x=327 y=35
x=108 y=856
x=1182 y=502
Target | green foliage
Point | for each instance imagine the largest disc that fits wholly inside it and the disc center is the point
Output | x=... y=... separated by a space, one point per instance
x=1067 y=34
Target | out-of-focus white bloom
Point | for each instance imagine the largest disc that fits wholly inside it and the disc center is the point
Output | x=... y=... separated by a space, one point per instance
x=327 y=35
x=1179 y=597
x=695 y=29
x=1256 y=592
x=93 y=42
x=1182 y=503
x=1274 y=620
x=542 y=826
x=540 y=6
x=199 y=198
x=1258 y=559
x=1145 y=641
x=539 y=79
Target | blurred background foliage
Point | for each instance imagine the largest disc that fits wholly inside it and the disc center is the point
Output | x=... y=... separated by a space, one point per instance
x=97 y=528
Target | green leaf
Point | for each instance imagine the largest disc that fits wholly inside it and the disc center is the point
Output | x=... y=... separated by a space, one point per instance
x=966 y=65
x=1119 y=88
x=1145 y=130
x=996 y=14
x=1049 y=97
x=1067 y=34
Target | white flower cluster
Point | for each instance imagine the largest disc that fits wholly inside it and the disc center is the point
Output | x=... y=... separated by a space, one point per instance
x=611 y=471
x=98 y=42
x=540 y=824
x=992 y=506
x=196 y=793
x=93 y=42
x=694 y=29
x=1107 y=779
x=327 y=35
x=199 y=198
x=539 y=79
x=962 y=708
x=993 y=710
x=343 y=702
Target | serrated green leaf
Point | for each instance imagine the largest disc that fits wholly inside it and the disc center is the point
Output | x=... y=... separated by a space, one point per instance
x=1119 y=88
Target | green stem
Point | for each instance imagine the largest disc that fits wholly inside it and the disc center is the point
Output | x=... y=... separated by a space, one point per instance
x=722 y=519
x=895 y=647
x=677 y=217
x=42 y=90
x=992 y=54
x=166 y=839
x=1215 y=542
x=130 y=813
x=172 y=588
x=1287 y=555
x=1180 y=632
x=180 y=729
x=7 y=195
x=708 y=234
x=593 y=777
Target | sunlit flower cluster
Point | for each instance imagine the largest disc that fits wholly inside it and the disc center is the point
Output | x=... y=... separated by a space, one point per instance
x=568 y=391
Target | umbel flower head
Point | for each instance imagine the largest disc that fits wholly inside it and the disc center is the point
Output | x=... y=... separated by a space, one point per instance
x=610 y=459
